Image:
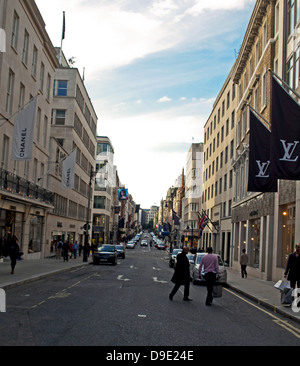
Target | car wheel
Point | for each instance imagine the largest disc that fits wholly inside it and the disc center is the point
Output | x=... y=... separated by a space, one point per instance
x=95 y=261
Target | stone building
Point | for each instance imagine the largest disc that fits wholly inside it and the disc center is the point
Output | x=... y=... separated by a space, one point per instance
x=27 y=69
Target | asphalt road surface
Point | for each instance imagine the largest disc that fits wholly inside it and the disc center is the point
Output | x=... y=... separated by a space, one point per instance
x=128 y=305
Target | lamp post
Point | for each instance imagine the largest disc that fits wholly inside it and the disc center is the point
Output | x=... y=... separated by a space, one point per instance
x=87 y=224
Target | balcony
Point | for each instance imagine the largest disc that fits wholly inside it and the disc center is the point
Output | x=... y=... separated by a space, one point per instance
x=20 y=187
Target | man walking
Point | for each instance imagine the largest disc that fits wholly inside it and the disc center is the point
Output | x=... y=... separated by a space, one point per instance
x=292 y=271
x=211 y=273
x=181 y=275
x=243 y=262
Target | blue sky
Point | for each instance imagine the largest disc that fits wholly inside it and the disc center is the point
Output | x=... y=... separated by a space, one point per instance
x=153 y=69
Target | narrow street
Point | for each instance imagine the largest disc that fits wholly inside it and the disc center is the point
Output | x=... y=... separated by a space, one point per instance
x=128 y=305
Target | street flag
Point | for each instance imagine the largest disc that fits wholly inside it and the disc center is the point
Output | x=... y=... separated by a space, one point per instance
x=63 y=27
x=68 y=171
x=202 y=222
x=259 y=179
x=23 y=132
x=176 y=218
x=285 y=135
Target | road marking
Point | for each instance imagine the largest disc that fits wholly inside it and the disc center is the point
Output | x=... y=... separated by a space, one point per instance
x=284 y=324
x=156 y=280
x=142 y=316
x=122 y=279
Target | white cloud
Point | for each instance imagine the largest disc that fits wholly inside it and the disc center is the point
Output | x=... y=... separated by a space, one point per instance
x=164 y=99
x=106 y=35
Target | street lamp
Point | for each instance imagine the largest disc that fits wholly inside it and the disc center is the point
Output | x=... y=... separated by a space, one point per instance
x=87 y=224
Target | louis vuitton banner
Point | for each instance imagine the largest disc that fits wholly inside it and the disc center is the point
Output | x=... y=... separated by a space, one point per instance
x=285 y=135
x=259 y=179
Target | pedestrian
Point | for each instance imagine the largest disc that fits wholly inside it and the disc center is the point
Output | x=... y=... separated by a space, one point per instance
x=65 y=250
x=59 y=249
x=210 y=273
x=243 y=262
x=71 y=249
x=292 y=271
x=181 y=275
x=13 y=252
x=75 y=249
x=80 y=249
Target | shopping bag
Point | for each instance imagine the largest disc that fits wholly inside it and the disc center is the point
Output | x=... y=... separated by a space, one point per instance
x=287 y=297
x=284 y=285
x=217 y=291
x=277 y=284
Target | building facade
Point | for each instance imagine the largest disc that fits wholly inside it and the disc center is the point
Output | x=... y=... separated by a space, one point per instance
x=27 y=69
x=73 y=127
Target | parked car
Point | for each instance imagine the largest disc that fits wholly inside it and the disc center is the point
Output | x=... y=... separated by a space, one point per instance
x=130 y=244
x=195 y=269
x=190 y=257
x=144 y=243
x=161 y=245
x=173 y=256
x=120 y=251
x=106 y=253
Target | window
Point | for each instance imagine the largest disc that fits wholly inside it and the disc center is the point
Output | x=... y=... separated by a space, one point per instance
x=264 y=90
x=10 y=90
x=42 y=72
x=48 y=86
x=21 y=96
x=102 y=148
x=38 y=124
x=99 y=202
x=5 y=148
x=45 y=131
x=15 y=31
x=257 y=55
x=60 y=88
x=25 y=48
x=34 y=62
x=58 y=117
x=265 y=35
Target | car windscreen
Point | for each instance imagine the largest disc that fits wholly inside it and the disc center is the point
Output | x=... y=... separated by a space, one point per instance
x=119 y=247
x=107 y=248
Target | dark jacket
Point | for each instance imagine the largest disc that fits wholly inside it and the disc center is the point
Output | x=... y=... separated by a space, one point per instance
x=293 y=267
x=13 y=248
x=182 y=271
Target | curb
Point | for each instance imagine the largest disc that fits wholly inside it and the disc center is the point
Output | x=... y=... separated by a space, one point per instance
x=265 y=304
x=44 y=275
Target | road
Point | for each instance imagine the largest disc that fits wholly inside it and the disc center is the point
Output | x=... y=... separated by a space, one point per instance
x=128 y=305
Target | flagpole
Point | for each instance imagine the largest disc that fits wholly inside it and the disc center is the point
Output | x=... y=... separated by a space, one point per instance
x=268 y=123
x=19 y=110
x=62 y=38
x=283 y=82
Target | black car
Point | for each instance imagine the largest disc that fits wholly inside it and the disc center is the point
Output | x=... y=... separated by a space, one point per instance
x=106 y=253
x=120 y=251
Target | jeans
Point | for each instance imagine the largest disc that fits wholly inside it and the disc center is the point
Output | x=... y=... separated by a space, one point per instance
x=210 y=279
x=243 y=270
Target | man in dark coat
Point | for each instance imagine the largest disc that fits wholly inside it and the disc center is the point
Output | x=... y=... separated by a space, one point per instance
x=181 y=275
x=292 y=271
x=13 y=252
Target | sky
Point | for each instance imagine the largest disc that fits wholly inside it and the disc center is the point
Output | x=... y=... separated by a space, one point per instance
x=152 y=69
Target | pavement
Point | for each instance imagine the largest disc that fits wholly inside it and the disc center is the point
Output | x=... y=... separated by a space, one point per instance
x=260 y=291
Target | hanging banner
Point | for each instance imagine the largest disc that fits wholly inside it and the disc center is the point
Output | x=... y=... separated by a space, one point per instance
x=285 y=135
x=23 y=132
x=68 y=171
x=259 y=179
